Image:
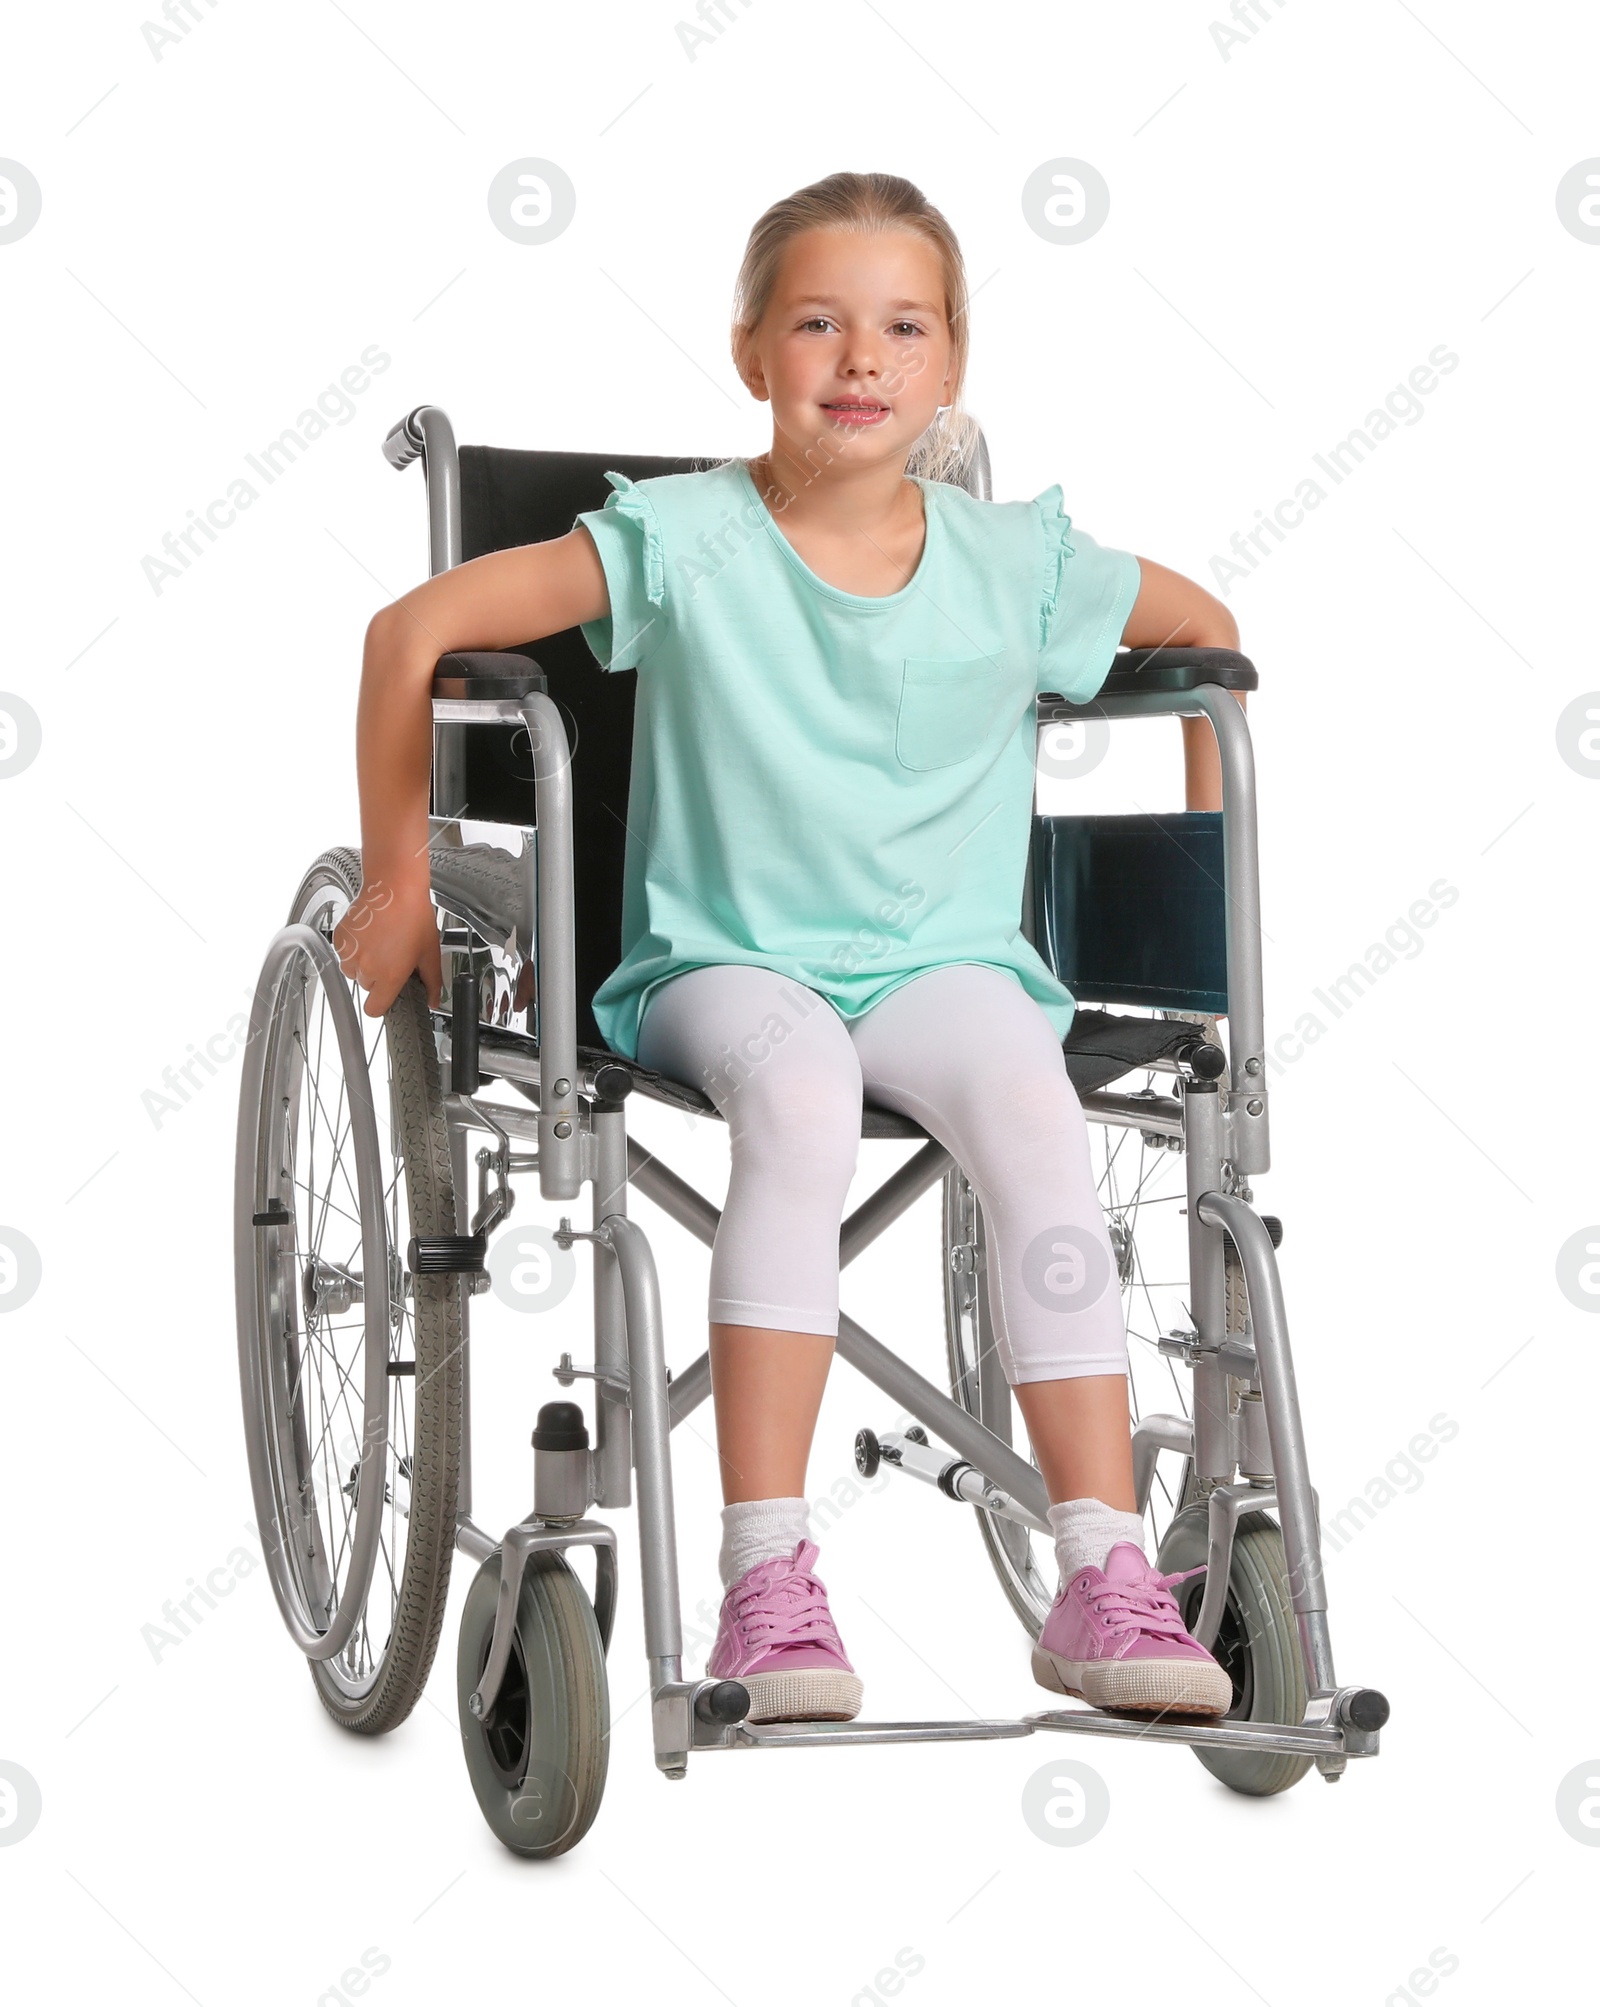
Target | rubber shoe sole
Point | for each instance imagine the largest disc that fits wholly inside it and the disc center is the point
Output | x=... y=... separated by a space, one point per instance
x=1145 y=1686
x=807 y=1694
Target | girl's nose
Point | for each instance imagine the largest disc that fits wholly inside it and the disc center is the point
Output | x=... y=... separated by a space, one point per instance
x=862 y=357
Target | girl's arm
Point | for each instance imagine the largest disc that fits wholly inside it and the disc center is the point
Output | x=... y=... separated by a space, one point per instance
x=491 y=602
x=1173 y=612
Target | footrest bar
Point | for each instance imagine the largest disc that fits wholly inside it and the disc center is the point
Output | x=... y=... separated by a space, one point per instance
x=829 y=1734
x=1325 y=1738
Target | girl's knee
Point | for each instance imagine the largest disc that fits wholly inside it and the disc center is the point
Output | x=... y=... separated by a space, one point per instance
x=818 y=1141
x=804 y=1117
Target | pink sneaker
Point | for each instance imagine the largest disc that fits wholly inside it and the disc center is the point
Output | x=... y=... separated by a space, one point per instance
x=1115 y=1639
x=777 y=1636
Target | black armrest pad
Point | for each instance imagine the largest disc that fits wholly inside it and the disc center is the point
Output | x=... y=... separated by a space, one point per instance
x=1169 y=669
x=486 y=672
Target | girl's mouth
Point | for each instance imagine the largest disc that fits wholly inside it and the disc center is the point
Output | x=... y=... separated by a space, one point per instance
x=855 y=411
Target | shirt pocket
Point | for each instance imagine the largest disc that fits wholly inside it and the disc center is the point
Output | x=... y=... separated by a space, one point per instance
x=948 y=708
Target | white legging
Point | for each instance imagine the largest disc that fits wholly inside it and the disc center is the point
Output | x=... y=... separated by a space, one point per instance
x=965 y=1051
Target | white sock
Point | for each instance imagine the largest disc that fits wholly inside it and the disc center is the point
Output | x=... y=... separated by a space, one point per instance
x=1086 y=1530
x=760 y=1530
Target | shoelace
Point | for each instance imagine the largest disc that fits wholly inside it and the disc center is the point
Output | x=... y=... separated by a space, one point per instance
x=1147 y=1606
x=785 y=1605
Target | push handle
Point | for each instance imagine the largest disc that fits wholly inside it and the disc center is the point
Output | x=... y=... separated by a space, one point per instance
x=426 y=433
x=403 y=442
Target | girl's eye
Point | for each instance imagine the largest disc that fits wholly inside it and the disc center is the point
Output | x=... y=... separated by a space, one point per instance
x=906 y=328
x=818 y=321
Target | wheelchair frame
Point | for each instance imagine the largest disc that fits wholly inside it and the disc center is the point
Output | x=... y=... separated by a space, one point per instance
x=578 y=1127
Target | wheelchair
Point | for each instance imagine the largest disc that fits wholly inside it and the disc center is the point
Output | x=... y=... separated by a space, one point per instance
x=362 y=1234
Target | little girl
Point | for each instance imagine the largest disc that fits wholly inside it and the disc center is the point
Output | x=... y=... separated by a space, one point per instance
x=832 y=790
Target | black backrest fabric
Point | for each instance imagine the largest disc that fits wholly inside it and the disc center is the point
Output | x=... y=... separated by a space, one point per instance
x=510 y=498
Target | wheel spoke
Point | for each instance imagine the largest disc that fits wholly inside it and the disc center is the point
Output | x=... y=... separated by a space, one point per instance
x=336 y=1133
x=312 y=1199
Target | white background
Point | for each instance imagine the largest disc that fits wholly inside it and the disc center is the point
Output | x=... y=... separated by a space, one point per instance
x=1292 y=229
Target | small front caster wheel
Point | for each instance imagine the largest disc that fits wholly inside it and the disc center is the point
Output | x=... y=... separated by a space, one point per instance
x=537 y=1759
x=1257 y=1645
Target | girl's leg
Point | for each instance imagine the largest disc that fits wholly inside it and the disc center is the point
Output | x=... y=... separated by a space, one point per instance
x=767 y=1385
x=777 y=1061
x=1079 y=1431
x=966 y=1051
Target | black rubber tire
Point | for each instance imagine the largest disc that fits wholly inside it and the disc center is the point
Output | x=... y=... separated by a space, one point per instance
x=1258 y=1642
x=538 y=1759
x=417 y=1096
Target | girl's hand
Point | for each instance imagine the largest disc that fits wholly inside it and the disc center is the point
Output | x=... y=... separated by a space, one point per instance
x=389 y=932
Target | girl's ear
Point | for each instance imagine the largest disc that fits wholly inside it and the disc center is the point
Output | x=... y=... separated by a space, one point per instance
x=748 y=364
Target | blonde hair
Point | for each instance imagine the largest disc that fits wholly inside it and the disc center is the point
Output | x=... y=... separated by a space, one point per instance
x=868 y=202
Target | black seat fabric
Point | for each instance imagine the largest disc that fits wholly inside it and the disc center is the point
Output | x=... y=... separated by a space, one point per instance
x=1099 y=1048
x=509 y=498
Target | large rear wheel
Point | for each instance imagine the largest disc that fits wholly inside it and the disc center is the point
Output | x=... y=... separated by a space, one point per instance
x=350 y=1365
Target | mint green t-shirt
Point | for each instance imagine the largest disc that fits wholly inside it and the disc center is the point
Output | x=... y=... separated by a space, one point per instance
x=832 y=786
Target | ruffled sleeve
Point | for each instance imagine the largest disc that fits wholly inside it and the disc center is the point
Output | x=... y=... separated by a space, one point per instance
x=627 y=535
x=1087 y=590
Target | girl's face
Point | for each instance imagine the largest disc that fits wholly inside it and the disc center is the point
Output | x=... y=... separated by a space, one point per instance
x=854 y=350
